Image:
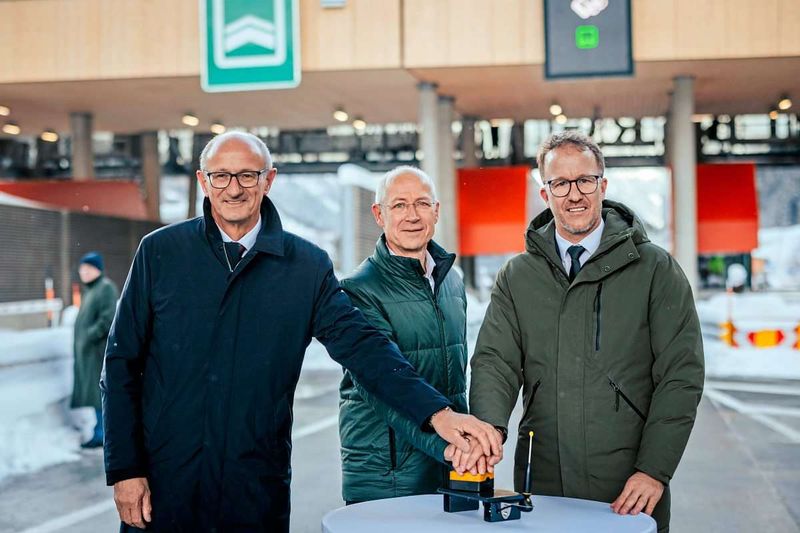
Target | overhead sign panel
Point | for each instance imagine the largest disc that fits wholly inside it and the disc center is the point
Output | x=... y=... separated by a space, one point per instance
x=587 y=38
x=249 y=44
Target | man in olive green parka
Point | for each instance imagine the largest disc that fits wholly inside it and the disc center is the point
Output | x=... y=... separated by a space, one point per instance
x=98 y=303
x=598 y=327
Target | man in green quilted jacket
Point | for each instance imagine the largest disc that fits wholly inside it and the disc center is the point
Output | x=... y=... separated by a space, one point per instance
x=409 y=291
x=598 y=327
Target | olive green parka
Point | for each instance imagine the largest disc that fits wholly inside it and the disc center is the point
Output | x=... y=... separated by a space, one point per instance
x=98 y=304
x=384 y=455
x=610 y=365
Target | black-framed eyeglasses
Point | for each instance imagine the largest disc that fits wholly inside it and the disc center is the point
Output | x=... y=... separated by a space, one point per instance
x=561 y=187
x=245 y=178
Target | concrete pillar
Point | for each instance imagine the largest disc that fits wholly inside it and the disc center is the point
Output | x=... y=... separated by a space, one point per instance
x=82 y=153
x=517 y=156
x=428 y=120
x=684 y=165
x=151 y=174
x=469 y=157
x=446 y=232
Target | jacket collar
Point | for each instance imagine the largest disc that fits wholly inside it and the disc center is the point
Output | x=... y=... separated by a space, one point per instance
x=270 y=237
x=410 y=268
x=622 y=233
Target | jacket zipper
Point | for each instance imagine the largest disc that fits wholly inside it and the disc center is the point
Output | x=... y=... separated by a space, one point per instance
x=619 y=393
x=597 y=302
x=440 y=320
x=392 y=450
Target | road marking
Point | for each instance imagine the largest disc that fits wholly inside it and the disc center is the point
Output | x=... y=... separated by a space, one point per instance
x=732 y=403
x=763 y=388
x=73 y=518
x=86 y=513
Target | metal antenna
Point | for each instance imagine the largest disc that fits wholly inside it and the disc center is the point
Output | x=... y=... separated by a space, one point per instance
x=528 y=469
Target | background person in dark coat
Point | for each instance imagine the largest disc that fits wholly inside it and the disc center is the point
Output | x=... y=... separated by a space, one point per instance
x=98 y=301
x=205 y=353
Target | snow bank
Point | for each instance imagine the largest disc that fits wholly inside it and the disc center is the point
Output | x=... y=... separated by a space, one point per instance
x=751 y=312
x=780 y=249
x=35 y=430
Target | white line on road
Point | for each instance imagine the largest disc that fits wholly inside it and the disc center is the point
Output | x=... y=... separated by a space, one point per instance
x=763 y=388
x=73 y=518
x=732 y=403
x=86 y=513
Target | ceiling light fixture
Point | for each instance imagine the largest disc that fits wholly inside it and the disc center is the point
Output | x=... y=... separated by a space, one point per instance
x=340 y=114
x=49 y=136
x=4 y=111
x=190 y=120
x=11 y=128
x=555 y=109
x=561 y=119
x=218 y=128
x=784 y=103
x=359 y=123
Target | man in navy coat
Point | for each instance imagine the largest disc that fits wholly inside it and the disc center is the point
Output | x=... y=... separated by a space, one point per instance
x=205 y=352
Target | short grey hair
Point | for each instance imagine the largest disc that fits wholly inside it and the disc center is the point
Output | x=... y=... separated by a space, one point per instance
x=254 y=142
x=403 y=170
x=573 y=138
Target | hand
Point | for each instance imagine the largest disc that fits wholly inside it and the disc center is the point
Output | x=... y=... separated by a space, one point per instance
x=132 y=497
x=452 y=427
x=473 y=461
x=641 y=492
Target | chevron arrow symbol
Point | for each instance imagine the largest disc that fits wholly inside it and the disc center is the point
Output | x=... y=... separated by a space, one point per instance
x=249 y=30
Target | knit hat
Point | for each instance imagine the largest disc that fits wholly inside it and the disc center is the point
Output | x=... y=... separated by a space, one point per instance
x=94 y=259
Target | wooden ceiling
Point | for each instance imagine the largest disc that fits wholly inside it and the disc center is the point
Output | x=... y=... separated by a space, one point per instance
x=520 y=92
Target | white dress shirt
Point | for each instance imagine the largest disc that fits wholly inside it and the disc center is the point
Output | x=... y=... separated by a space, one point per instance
x=590 y=243
x=430 y=264
x=249 y=238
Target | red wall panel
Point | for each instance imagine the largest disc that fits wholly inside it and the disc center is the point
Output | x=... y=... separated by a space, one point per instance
x=492 y=215
x=727 y=208
x=113 y=198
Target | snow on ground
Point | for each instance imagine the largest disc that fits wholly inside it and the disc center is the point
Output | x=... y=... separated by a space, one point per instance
x=751 y=312
x=34 y=427
x=780 y=249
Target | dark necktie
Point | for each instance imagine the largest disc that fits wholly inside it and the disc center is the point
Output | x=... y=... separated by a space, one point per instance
x=574 y=253
x=234 y=252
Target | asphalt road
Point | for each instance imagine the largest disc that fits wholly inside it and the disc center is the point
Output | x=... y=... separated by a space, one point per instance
x=741 y=471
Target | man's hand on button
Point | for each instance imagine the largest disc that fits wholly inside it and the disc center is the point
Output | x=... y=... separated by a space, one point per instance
x=456 y=427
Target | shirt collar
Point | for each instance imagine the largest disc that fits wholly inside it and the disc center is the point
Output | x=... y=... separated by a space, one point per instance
x=249 y=238
x=591 y=242
x=430 y=264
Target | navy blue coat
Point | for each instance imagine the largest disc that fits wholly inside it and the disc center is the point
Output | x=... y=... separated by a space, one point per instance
x=202 y=364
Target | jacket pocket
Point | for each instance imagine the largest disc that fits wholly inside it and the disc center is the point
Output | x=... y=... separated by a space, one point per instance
x=619 y=394
x=597 y=316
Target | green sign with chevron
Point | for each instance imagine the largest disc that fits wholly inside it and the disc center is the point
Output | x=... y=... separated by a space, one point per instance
x=249 y=44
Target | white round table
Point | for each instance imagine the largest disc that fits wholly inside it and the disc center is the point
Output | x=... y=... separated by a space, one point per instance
x=424 y=514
